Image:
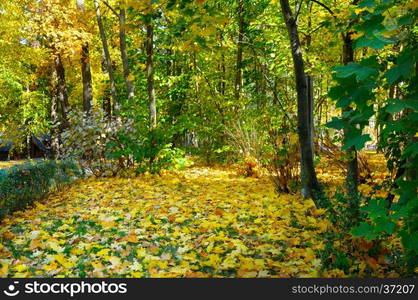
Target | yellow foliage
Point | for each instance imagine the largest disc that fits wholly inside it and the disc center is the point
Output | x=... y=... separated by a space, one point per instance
x=200 y=222
x=197 y=223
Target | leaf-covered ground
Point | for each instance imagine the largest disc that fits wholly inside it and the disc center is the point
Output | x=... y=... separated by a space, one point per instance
x=197 y=223
x=7 y=164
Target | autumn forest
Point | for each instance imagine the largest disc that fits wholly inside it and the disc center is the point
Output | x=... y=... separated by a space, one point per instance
x=208 y=138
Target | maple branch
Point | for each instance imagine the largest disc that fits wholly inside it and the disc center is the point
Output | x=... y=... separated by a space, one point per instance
x=324 y=6
x=110 y=7
x=297 y=12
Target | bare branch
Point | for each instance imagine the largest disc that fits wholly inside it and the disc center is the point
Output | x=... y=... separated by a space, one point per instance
x=324 y=6
x=110 y=7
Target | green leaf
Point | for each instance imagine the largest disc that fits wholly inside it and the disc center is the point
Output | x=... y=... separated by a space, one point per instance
x=361 y=71
x=336 y=123
x=376 y=42
x=385 y=225
x=364 y=230
x=410 y=240
x=376 y=208
x=404 y=67
x=358 y=142
x=394 y=108
x=411 y=150
x=367 y=3
x=372 y=26
x=406 y=19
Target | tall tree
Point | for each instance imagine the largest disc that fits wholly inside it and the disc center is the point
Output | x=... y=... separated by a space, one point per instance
x=238 y=74
x=121 y=15
x=150 y=75
x=86 y=70
x=61 y=89
x=352 y=164
x=124 y=55
x=106 y=52
x=55 y=138
x=308 y=175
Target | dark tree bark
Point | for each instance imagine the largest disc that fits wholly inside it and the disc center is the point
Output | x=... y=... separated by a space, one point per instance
x=222 y=67
x=59 y=103
x=150 y=76
x=55 y=140
x=309 y=180
x=108 y=60
x=123 y=51
x=352 y=164
x=238 y=74
x=86 y=71
x=87 y=79
x=106 y=99
x=61 y=90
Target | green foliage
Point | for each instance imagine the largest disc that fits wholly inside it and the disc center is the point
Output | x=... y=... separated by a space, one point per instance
x=170 y=158
x=22 y=184
x=357 y=95
x=19 y=108
x=134 y=146
x=147 y=152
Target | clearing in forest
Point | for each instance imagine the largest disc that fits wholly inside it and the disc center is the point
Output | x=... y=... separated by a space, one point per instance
x=201 y=222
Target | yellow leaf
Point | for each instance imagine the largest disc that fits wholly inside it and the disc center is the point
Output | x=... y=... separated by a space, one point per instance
x=52 y=266
x=210 y=247
x=309 y=255
x=60 y=258
x=4 y=270
x=97 y=265
x=55 y=246
x=141 y=252
x=131 y=77
x=103 y=252
x=246 y=274
x=137 y=274
x=21 y=268
x=115 y=261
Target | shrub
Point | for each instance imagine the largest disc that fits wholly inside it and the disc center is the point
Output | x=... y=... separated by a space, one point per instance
x=267 y=144
x=339 y=158
x=86 y=140
x=148 y=152
x=22 y=184
x=282 y=161
x=250 y=168
x=118 y=146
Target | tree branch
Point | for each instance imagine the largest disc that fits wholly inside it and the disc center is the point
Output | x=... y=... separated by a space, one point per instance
x=324 y=6
x=297 y=12
x=110 y=7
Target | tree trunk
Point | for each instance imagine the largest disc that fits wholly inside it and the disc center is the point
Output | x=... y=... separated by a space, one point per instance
x=310 y=84
x=55 y=140
x=238 y=74
x=86 y=71
x=108 y=61
x=352 y=164
x=122 y=38
x=106 y=98
x=150 y=76
x=61 y=90
x=222 y=85
x=412 y=172
x=309 y=180
x=87 y=79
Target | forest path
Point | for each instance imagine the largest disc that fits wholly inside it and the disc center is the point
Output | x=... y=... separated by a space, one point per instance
x=200 y=222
